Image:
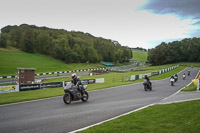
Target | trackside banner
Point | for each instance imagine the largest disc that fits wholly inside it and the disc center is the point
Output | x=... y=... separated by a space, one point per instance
x=154 y=73
x=10 y=88
x=40 y=86
x=29 y=87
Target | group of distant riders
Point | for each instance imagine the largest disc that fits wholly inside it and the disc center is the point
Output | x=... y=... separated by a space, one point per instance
x=148 y=85
x=175 y=78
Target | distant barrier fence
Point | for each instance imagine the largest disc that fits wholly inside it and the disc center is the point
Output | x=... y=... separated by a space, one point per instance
x=17 y=88
x=50 y=73
x=121 y=68
x=141 y=76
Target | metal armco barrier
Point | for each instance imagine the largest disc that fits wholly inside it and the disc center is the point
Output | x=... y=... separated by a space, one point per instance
x=13 y=76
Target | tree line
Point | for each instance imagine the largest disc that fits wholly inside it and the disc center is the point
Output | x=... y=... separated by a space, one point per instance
x=139 y=49
x=186 y=50
x=68 y=46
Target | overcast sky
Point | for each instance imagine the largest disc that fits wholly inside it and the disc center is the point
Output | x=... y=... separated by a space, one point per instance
x=133 y=23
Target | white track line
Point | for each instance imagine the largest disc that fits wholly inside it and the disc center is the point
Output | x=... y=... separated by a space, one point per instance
x=81 y=129
x=179 y=101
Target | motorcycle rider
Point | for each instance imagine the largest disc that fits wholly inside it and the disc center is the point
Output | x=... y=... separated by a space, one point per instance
x=176 y=77
x=188 y=72
x=184 y=76
x=148 y=80
x=172 y=80
x=77 y=82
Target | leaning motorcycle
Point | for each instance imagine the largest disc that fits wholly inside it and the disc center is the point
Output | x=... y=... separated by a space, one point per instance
x=72 y=93
x=147 y=85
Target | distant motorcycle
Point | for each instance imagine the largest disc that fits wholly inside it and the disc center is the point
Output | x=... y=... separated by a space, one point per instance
x=188 y=72
x=172 y=81
x=147 y=85
x=184 y=76
x=176 y=78
x=72 y=93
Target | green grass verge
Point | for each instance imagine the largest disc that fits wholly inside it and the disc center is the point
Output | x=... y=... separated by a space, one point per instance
x=139 y=55
x=111 y=80
x=171 y=118
x=11 y=59
x=189 y=64
x=191 y=87
x=14 y=97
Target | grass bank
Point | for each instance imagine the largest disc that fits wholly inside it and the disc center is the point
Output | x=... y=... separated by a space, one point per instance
x=13 y=58
x=191 y=87
x=171 y=118
x=139 y=55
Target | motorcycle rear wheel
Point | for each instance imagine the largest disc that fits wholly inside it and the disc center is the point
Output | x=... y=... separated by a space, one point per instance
x=150 y=88
x=85 y=96
x=67 y=98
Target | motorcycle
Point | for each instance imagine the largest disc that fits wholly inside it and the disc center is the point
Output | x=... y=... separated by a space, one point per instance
x=184 y=76
x=172 y=81
x=188 y=73
x=175 y=78
x=147 y=85
x=72 y=93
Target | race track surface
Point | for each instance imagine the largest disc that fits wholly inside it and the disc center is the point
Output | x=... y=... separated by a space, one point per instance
x=53 y=116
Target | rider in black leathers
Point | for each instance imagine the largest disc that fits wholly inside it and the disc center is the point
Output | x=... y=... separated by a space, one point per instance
x=76 y=81
x=148 y=80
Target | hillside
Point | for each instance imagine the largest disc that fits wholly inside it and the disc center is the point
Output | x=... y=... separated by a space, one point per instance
x=68 y=46
x=12 y=58
x=139 y=55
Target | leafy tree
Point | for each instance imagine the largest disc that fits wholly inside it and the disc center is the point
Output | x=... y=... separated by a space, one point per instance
x=158 y=56
x=61 y=44
x=173 y=52
x=3 y=40
x=28 y=39
x=177 y=51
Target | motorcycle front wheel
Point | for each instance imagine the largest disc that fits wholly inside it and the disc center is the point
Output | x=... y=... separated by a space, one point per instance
x=67 y=98
x=150 y=88
x=145 y=87
x=85 y=97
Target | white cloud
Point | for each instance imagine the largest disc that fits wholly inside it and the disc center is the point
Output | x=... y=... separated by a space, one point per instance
x=119 y=20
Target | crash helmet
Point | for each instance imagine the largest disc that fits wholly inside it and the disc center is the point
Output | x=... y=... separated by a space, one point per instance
x=74 y=76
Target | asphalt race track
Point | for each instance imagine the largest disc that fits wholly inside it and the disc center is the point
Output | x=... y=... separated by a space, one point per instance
x=53 y=116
